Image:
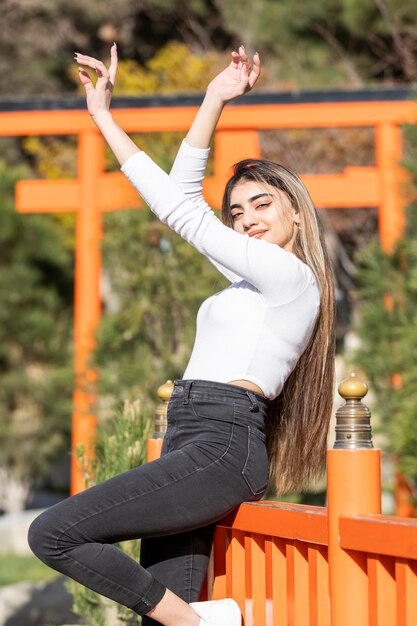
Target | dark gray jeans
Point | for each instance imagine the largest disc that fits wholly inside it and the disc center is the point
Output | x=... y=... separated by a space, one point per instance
x=214 y=458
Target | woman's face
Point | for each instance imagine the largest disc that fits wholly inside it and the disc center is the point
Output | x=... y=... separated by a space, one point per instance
x=265 y=212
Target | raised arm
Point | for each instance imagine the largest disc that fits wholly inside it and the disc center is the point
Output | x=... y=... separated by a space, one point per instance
x=237 y=79
x=189 y=167
x=278 y=274
x=98 y=103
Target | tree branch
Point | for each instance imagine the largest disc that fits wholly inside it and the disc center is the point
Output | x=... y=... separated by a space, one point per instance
x=334 y=44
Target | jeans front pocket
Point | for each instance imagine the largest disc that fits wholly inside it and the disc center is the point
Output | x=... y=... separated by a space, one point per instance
x=255 y=470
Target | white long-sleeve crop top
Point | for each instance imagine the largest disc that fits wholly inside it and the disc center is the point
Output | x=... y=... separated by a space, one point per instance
x=257 y=328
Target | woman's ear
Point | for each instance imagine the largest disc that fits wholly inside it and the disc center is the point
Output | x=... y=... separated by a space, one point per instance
x=296 y=217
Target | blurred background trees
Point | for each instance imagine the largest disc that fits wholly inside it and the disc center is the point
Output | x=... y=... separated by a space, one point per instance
x=308 y=44
x=36 y=283
x=387 y=327
x=152 y=281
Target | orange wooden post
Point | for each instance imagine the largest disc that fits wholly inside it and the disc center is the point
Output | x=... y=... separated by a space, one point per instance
x=403 y=496
x=230 y=146
x=354 y=487
x=391 y=222
x=388 y=144
x=87 y=298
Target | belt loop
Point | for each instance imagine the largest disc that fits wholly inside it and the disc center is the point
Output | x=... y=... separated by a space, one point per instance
x=187 y=389
x=254 y=402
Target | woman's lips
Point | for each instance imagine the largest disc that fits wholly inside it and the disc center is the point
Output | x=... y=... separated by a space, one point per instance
x=257 y=233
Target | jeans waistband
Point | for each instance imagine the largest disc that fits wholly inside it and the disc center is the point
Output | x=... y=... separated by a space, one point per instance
x=212 y=388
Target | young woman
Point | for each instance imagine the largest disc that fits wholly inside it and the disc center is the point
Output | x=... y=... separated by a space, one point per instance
x=255 y=398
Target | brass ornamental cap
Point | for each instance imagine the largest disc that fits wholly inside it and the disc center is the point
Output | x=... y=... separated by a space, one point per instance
x=164 y=391
x=353 y=419
x=352 y=388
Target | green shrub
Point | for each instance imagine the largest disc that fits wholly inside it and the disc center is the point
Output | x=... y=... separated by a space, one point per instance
x=120 y=446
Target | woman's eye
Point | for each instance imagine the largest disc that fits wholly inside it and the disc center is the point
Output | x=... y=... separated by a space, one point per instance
x=263 y=206
x=236 y=215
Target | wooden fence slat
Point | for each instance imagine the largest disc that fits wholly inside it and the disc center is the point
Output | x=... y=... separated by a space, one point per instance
x=290 y=583
x=318 y=586
x=279 y=582
x=219 y=556
x=406 y=577
x=258 y=580
x=238 y=574
x=382 y=590
x=248 y=564
x=301 y=584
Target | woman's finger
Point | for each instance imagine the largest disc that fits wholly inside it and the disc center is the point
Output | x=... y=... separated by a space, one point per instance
x=255 y=71
x=86 y=80
x=85 y=57
x=95 y=64
x=244 y=58
x=102 y=69
x=113 y=64
x=235 y=60
x=86 y=61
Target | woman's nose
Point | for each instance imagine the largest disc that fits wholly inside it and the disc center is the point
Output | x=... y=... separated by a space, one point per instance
x=250 y=219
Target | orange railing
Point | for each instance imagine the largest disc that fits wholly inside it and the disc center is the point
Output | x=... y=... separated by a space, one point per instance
x=340 y=565
x=273 y=559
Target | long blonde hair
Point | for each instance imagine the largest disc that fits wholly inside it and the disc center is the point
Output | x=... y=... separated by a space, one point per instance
x=298 y=419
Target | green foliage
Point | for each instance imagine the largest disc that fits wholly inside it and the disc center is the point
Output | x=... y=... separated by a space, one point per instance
x=120 y=443
x=331 y=42
x=14 y=568
x=174 y=68
x=120 y=446
x=306 y=44
x=388 y=330
x=156 y=284
x=35 y=326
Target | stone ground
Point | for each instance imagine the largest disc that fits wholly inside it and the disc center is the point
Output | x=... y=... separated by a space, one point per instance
x=25 y=603
x=36 y=604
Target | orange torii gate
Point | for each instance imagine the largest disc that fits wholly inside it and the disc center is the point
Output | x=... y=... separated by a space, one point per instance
x=95 y=191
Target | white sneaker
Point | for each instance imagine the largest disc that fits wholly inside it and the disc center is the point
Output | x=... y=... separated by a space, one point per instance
x=219 y=612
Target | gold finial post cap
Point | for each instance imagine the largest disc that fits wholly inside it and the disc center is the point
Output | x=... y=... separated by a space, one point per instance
x=164 y=391
x=352 y=388
x=353 y=419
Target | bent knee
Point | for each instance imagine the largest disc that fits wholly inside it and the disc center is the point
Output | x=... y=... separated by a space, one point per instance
x=42 y=537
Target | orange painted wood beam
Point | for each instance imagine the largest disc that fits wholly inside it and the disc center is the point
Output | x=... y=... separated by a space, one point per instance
x=248 y=116
x=63 y=196
x=354 y=187
x=278 y=519
x=387 y=535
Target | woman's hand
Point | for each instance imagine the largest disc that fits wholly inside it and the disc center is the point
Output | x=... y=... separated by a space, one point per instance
x=98 y=97
x=234 y=81
x=237 y=79
x=98 y=103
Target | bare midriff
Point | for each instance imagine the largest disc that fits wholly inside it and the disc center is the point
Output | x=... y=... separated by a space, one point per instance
x=246 y=384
